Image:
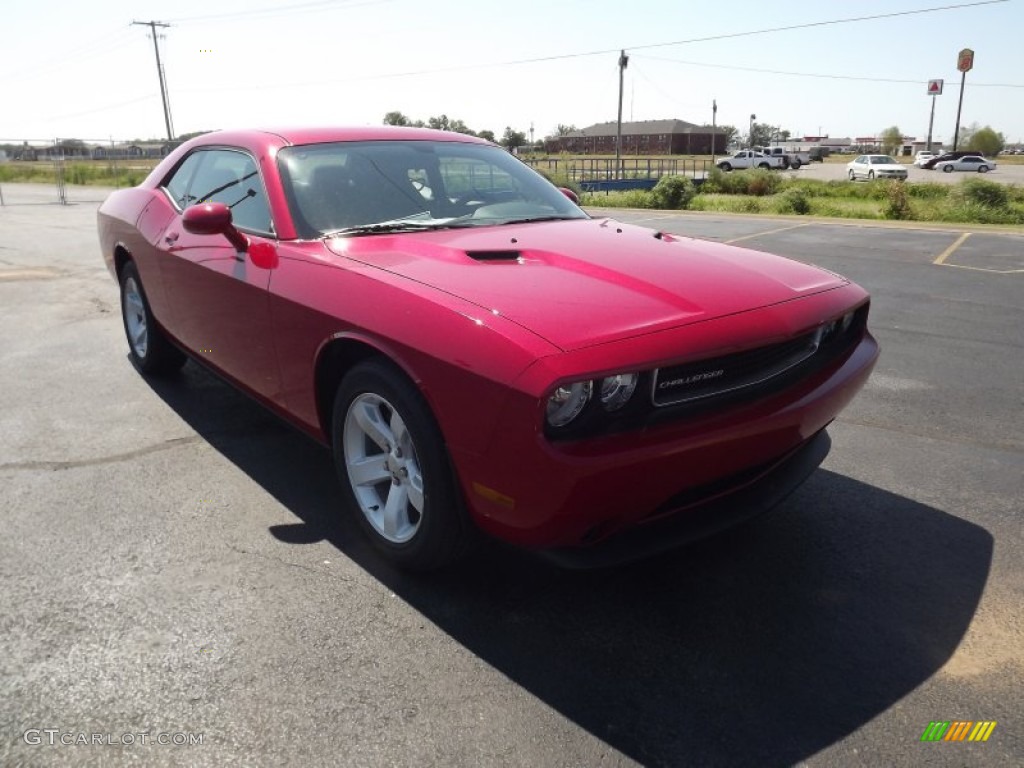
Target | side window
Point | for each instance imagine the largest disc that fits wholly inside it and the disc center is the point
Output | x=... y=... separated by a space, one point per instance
x=231 y=177
x=177 y=185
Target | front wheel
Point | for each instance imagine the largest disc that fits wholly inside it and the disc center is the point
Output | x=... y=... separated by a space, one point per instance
x=871 y=175
x=763 y=165
x=947 y=168
x=852 y=175
x=982 y=169
x=724 y=167
x=394 y=468
x=149 y=349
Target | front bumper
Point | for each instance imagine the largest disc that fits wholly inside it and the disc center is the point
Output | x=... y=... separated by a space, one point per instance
x=540 y=495
x=766 y=490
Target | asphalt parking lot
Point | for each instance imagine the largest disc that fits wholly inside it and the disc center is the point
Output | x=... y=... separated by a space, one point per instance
x=1005 y=173
x=173 y=561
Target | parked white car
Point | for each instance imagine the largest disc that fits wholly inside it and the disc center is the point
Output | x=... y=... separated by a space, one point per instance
x=968 y=163
x=875 y=167
x=923 y=157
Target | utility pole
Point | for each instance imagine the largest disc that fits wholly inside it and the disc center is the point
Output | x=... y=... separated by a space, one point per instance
x=160 y=73
x=623 y=62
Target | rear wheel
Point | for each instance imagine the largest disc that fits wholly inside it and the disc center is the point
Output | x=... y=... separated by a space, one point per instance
x=982 y=169
x=796 y=164
x=394 y=468
x=763 y=165
x=149 y=349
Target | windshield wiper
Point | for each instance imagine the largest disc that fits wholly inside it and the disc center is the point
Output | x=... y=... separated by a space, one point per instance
x=397 y=225
x=531 y=219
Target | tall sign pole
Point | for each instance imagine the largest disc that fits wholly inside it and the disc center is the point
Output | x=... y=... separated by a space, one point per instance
x=964 y=63
x=623 y=61
x=934 y=89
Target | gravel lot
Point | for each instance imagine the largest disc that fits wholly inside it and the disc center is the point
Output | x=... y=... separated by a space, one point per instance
x=173 y=561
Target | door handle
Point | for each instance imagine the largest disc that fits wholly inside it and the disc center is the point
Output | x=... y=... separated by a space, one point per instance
x=172 y=238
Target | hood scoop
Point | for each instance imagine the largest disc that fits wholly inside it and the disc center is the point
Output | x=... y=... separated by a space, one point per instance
x=496 y=256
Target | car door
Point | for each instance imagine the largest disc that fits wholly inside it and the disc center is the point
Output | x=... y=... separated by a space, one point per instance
x=218 y=297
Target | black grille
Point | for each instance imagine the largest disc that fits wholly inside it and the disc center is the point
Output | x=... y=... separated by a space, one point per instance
x=717 y=375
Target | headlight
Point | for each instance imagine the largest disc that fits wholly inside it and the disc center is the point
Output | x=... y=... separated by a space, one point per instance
x=616 y=390
x=566 y=402
x=846 y=321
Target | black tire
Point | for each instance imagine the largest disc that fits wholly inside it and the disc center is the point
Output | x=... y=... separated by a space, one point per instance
x=763 y=165
x=725 y=167
x=871 y=175
x=795 y=165
x=148 y=347
x=852 y=175
x=947 y=168
x=415 y=465
x=982 y=169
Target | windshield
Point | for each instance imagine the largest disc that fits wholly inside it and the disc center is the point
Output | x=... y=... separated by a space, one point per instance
x=882 y=160
x=371 y=187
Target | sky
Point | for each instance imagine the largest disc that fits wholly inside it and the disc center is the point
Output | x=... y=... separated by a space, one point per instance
x=80 y=70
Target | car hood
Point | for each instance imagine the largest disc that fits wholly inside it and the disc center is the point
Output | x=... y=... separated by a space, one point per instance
x=583 y=282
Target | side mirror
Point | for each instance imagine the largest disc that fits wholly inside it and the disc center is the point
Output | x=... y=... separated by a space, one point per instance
x=570 y=194
x=214 y=219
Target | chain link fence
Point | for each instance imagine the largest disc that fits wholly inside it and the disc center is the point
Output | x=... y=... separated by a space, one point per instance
x=66 y=171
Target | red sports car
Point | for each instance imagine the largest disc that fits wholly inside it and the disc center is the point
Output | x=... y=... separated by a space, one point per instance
x=478 y=352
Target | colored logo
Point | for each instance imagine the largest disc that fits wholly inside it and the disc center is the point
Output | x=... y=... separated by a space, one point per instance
x=959 y=730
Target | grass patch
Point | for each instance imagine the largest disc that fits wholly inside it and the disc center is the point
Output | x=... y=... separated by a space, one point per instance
x=972 y=201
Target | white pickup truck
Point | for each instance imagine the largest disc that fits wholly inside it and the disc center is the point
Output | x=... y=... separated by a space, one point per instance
x=790 y=157
x=747 y=158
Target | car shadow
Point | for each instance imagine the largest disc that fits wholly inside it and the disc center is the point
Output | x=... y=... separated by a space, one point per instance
x=760 y=647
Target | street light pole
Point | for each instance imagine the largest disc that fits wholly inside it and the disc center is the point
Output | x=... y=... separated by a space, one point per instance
x=623 y=62
x=714 y=130
x=750 y=134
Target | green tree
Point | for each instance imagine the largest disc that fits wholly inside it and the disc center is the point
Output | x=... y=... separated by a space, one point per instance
x=512 y=140
x=760 y=135
x=396 y=118
x=985 y=141
x=892 y=140
x=440 y=123
x=564 y=130
x=486 y=134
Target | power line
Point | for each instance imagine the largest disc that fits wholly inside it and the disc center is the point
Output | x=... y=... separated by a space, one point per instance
x=605 y=51
x=917 y=81
x=811 y=24
x=273 y=11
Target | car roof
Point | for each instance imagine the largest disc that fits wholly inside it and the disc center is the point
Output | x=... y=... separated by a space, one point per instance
x=327 y=134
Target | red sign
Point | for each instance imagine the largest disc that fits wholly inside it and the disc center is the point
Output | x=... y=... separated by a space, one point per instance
x=935 y=87
x=965 y=60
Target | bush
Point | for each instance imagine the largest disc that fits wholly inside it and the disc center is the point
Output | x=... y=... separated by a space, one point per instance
x=673 y=192
x=985 y=193
x=897 y=204
x=762 y=182
x=794 y=200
